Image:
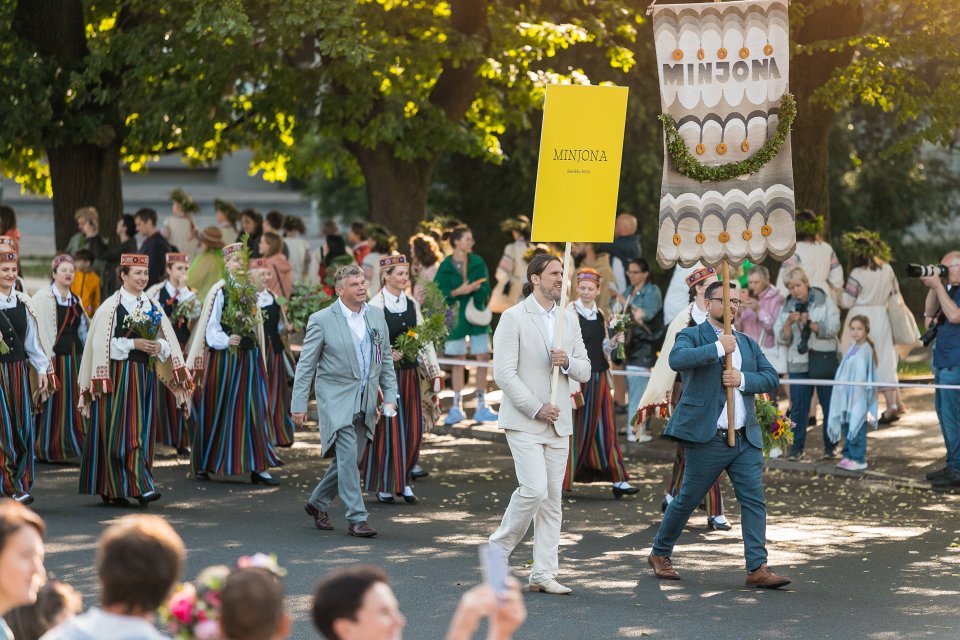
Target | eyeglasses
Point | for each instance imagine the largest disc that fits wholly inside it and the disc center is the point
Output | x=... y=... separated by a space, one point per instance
x=734 y=301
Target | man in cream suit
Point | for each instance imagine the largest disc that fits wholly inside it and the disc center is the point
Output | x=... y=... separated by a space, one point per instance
x=537 y=431
x=347 y=350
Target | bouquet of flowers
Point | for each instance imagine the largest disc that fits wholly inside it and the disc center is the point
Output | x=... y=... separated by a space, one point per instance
x=146 y=324
x=193 y=611
x=619 y=323
x=304 y=301
x=435 y=304
x=775 y=427
x=432 y=330
x=187 y=310
x=240 y=310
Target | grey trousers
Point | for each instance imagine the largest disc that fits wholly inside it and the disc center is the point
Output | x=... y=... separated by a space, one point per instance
x=343 y=475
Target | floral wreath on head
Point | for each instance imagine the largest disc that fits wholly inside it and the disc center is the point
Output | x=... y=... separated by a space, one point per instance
x=865 y=244
x=186 y=203
x=193 y=611
x=812 y=228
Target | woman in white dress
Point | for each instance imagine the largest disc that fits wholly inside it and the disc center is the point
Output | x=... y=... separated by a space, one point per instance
x=816 y=257
x=180 y=229
x=869 y=286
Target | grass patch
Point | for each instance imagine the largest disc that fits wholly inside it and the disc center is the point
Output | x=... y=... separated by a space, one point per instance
x=914 y=369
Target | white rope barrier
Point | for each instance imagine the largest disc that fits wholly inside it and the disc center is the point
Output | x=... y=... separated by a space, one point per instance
x=808 y=382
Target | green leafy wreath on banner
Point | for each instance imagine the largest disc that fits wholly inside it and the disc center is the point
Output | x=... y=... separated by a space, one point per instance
x=687 y=164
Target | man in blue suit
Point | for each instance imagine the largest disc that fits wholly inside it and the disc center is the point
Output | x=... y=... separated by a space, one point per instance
x=700 y=422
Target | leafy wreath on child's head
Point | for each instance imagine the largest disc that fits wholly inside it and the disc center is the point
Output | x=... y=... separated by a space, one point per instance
x=687 y=164
x=865 y=244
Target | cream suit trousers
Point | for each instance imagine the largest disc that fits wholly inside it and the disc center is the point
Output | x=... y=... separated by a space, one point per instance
x=540 y=461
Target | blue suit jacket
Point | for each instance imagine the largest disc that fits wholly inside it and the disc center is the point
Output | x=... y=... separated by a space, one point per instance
x=694 y=357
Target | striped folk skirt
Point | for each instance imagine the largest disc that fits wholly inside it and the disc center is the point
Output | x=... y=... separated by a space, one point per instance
x=396 y=444
x=60 y=429
x=117 y=457
x=595 y=453
x=173 y=426
x=16 y=432
x=232 y=434
x=712 y=502
x=278 y=398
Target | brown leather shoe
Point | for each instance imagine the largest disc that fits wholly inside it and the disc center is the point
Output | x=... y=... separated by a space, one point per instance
x=320 y=518
x=763 y=578
x=361 y=530
x=662 y=567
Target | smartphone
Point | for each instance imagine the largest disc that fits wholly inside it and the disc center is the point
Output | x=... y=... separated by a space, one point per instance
x=493 y=566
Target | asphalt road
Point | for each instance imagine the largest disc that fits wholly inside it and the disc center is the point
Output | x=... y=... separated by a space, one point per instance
x=868 y=560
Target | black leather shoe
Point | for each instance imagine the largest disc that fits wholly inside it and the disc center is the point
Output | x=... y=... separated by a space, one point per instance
x=202 y=476
x=419 y=472
x=183 y=452
x=148 y=497
x=948 y=480
x=719 y=526
x=664 y=505
x=939 y=473
x=24 y=498
x=410 y=499
x=619 y=493
x=115 y=502
x=385 y=500
x=256 y=478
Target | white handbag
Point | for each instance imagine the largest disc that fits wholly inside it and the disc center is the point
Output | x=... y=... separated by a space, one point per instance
x=776 y=355
x=478 y=317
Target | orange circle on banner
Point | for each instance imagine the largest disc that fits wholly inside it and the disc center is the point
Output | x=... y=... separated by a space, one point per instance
x=724 y=237
x=722 y=53
x=701 y=149
x=747 y=234
x=765 y=230
x=701 y=238
x=721 y=148
x=744 y=52
x=676 y=238
x=768 y=49
x=677 y=54
x=701 y=54
x=745 y=146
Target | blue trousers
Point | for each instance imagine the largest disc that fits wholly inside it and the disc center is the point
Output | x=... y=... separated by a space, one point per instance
x=800 y=397
x=705 y=461
x=947 y=403
x=855 y=448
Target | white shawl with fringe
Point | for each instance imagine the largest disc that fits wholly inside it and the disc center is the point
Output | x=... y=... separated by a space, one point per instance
x=197 y=347
x=46 y=346
x=95 y=364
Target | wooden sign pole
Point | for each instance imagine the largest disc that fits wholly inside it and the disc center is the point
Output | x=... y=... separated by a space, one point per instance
x=561 y=312
x=728 y=360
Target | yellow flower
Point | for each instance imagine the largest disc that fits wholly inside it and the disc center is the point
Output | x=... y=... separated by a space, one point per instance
x=412 y=333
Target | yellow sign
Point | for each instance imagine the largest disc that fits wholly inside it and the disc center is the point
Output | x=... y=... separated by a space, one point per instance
x=578 y=174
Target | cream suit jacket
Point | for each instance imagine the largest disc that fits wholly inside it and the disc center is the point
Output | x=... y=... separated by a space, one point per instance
x=522 y=370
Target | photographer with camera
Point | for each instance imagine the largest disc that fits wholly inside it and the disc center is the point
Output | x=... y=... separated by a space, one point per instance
x=809 y=323
x=942 y=315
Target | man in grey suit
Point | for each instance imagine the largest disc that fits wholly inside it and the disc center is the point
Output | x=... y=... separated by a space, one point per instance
x=700 y=422
x=538 y=432
x=347 y=350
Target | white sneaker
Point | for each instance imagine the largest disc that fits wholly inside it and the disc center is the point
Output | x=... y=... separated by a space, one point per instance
x=549 y=586
x=631 y=436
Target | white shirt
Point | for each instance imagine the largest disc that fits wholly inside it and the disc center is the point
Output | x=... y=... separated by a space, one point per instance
x=392 y=303
x=588 y=314
x=182 y=294
x=31 y=344
x=65 y=302
x=355 y=319
x=97 y=623
x=739 y=409
x=550 y=322
x=697 y=314
x=120 y=348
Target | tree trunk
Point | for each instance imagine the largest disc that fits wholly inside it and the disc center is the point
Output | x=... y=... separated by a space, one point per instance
x=396 y=189
x=85 y=176
x=808 y=72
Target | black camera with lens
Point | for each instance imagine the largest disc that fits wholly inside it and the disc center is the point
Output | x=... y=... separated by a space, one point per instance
x=803 y=345
x=926 y=270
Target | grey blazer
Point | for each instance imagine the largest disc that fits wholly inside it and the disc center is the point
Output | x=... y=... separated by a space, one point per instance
x=329 y=356
x=521 y=367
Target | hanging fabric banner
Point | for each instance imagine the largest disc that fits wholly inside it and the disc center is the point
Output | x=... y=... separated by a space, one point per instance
x=727 y=190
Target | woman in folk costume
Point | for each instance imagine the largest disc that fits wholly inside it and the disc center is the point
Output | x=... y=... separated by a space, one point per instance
x=118 y=383
x=181 y=306
x=24 y=366
x=393 y=454
x=63 y=325
x=594 y=449
x=232 y=434
x=663 y=392
x=278 y=391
